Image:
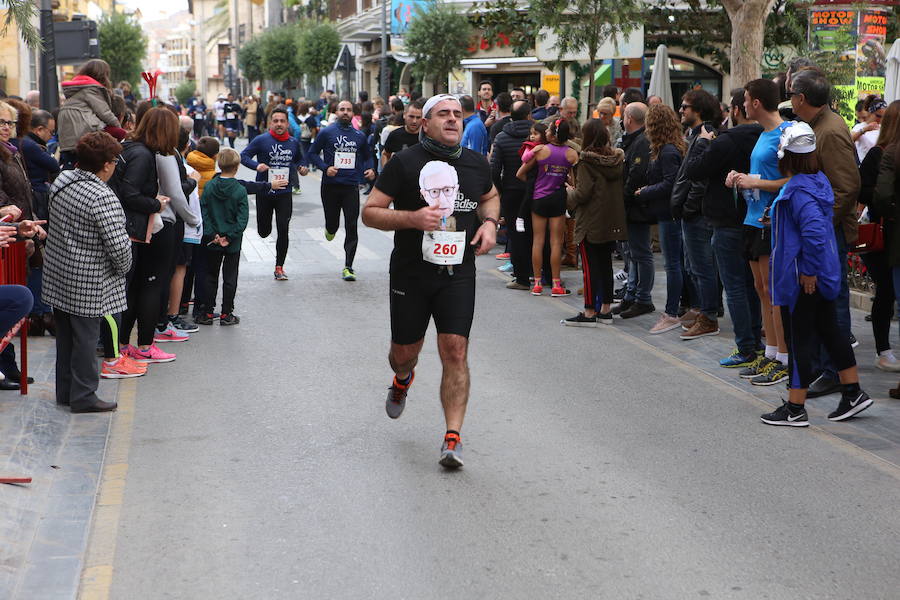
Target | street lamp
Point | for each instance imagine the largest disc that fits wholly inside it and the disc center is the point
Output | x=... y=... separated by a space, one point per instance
x=384 y=66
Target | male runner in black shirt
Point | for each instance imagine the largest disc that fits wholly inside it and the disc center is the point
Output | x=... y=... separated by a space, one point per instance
x=445 y=212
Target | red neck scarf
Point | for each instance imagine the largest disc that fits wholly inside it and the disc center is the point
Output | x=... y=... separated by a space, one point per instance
x=281 y=138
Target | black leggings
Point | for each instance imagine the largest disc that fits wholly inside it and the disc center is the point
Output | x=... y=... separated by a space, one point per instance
x=883 y=304
x=150 y=263
x=596 y=260
x=109 y=335
x=217 y=260
x=812 y=321
x=338 y=198
x=283 y=207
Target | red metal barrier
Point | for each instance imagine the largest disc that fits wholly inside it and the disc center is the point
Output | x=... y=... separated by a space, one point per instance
x=14 y=271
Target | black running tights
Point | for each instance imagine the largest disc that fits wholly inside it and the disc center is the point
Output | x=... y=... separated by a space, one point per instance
x=283 y=207
x=151 y=261
x=596 y=260
x=813 y=320
x=338 y=198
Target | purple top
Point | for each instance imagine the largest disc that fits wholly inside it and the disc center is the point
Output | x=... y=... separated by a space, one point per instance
x=552 y=171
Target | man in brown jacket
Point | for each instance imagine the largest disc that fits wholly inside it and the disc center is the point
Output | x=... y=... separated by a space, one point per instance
x=810 y=92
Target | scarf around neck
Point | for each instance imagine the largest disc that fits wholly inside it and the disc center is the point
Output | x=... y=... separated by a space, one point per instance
x=281 y=138
x=440 y=150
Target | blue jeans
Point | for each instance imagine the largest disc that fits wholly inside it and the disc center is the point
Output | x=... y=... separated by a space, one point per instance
x=35 y=284
x=740 y=293
x=822 y=362
x=670 y=241
x=641 y=271
x=702 y=265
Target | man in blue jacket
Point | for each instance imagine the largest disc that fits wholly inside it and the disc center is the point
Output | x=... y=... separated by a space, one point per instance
x=342 y=153
x=275 y=155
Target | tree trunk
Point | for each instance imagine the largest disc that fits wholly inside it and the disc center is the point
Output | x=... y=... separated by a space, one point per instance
x=590 y=98
x=748 y=24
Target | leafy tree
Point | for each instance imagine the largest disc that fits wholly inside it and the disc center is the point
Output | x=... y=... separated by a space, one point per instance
x=124 y=46
x=584 y=25
x=319 y=48
x=249 y=58
x=438 y=38
x=748 y=26
x=702 y=27
x=502 y=21
x=278 y=51
x=314 y=10
x=185 y=91
x=23 y=13
x=217 y=24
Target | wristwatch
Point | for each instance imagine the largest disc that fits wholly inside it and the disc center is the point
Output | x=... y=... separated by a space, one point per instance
x=494 y=221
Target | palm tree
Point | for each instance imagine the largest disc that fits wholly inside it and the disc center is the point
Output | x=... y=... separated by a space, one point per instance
x=22 y=12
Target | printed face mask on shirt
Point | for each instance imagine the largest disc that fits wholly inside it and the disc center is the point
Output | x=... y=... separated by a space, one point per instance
x=439 y=186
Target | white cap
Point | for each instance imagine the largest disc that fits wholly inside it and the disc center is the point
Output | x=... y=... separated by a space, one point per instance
x=798 y=138
x=434 y=100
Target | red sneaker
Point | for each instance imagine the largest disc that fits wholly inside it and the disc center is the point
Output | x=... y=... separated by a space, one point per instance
x=503 y=256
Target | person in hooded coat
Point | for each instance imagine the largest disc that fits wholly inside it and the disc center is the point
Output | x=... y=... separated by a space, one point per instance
x=599 y=208
x=805 y=280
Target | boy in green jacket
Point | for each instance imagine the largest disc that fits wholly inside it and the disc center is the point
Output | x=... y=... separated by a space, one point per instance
x=225 y=215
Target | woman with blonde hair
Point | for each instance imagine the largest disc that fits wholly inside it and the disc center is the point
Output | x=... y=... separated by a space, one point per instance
x=667 y=148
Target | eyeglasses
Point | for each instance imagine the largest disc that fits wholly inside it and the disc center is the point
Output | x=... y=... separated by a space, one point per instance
x=114 y=161
x=790 y=94
x=5 y=123
x=446 y=191
x=686 y=106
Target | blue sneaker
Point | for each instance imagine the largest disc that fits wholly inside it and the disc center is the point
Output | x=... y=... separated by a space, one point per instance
x=508 y=267
x=737 y=359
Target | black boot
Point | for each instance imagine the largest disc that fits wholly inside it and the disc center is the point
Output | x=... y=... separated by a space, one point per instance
x=35 y=326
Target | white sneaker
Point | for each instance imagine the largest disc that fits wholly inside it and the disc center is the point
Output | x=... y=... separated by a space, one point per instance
x=665 y=323
x=888 y=363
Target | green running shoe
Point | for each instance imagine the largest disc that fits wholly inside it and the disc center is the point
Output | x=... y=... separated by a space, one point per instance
x=328 y=235
x=348 y=274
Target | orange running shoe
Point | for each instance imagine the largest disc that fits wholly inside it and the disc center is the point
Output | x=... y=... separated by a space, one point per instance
x=123 y=368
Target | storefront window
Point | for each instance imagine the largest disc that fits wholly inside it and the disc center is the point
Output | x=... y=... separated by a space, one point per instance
x=686 y=74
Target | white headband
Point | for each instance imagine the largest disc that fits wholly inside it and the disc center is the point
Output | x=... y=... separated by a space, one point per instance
x=434 y=100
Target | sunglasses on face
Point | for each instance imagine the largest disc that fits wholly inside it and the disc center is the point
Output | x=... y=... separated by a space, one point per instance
x=686 y=106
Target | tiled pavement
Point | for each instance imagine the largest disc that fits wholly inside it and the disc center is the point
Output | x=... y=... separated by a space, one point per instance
x=44 y=525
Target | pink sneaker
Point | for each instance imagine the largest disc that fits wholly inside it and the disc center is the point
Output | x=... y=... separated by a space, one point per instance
x=151 y=355
x=170 y=334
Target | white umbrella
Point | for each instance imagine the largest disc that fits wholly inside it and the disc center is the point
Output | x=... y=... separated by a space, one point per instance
x=660 y=85
x=892 y=74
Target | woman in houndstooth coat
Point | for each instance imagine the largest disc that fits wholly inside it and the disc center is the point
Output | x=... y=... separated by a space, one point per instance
x=87 y=257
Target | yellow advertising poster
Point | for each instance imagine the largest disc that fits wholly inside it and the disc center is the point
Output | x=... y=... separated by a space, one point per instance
x=845 y=101
x=550 y=82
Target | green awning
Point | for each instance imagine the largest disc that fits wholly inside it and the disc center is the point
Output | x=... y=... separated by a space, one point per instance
x=603 y=76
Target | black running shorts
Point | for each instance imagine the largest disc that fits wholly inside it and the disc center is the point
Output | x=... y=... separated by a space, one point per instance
x=550 y=206
x=757 y=242
x=450 y=299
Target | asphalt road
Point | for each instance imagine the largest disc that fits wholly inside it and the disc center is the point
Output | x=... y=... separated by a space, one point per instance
x=261 y=463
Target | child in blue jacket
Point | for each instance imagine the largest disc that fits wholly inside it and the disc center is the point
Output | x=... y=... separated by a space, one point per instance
x=805 y=278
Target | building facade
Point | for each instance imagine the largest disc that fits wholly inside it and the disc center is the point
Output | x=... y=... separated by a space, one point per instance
x=626 y=64
x=218 y=30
